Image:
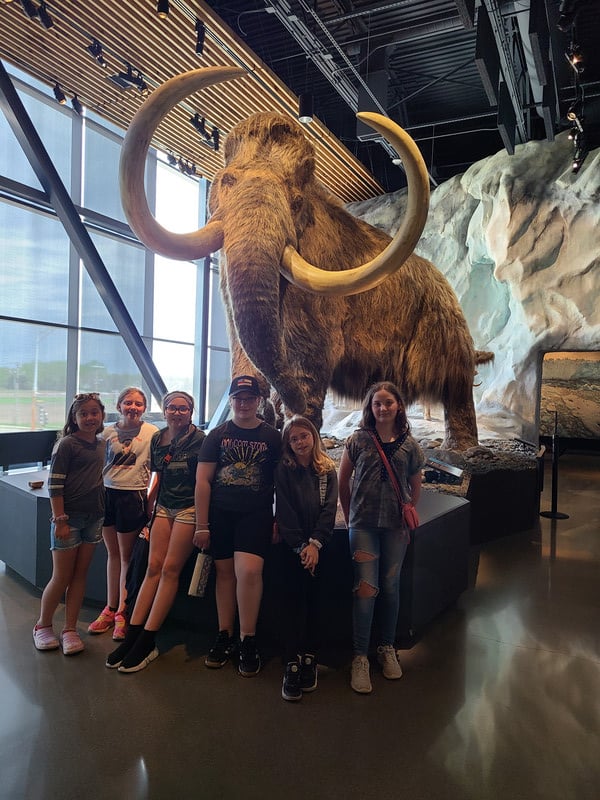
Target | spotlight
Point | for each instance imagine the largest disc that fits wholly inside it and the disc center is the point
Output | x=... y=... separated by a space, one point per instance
x=29 y=8
x=397 y=162
x=162 y=8
x=575 y=114
x=59 y=94
x=95 y=50
x=215 y=137
x=45 y=17
x=171 y=159
x=200 y=34
x=76 y=105
x=567 y=14
x=575 y=59
x=305 y=108
x=198 y=123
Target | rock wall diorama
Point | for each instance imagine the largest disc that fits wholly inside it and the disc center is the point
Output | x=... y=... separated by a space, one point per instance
x=518 y=237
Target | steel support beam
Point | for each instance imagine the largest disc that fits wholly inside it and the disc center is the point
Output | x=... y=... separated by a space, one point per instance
x=38 y=157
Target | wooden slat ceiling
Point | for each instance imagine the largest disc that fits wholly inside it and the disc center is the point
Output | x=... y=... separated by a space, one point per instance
x=131 y=33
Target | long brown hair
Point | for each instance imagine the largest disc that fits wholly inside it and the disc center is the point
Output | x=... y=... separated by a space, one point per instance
x=368 y=419
x=320 y=461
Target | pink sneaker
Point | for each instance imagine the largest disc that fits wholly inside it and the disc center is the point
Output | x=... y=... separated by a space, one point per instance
x=120 y=628
x=103 y=622
x=45 y=638
x=71 y=643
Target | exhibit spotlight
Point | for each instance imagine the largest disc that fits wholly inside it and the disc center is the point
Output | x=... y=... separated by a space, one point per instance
x=215 y=139
x=305 y=108
x=76 y=105
x=59 y=94
x=95 y=50
x=44 y=16
x=29 y=8
x=575 y=59
x=199 y=123
x=162 y=8
x=200 y=34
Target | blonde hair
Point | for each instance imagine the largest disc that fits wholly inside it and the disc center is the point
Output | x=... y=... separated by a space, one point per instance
x=320 y=461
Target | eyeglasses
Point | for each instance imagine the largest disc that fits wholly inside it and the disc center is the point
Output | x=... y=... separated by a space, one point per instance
x=87 y=396
x=249 y=398
x=177 y=409
x=300 y=438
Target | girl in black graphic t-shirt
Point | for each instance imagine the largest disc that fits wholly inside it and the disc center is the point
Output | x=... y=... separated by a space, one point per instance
x=234 y=517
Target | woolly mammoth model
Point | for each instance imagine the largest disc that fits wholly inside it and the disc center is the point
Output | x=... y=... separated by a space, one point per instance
x=315 y=298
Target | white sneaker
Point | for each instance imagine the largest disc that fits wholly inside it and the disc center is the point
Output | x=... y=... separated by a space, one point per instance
x=360 y=680
x=386 y=655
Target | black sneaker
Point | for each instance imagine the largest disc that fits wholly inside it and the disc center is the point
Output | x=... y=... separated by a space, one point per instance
x=115 y=659
x=249 y=658
x=308 y=673
x=221 y=651
x=291 y=682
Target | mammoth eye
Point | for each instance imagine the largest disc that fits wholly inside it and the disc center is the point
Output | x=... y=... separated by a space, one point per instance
x=228 y=180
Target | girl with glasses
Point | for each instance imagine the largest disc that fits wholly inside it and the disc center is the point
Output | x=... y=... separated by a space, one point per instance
x=306 y=491
x=174 y=452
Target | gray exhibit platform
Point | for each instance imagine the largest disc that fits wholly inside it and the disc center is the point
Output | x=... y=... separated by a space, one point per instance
x=434 y=574
x=25 y=534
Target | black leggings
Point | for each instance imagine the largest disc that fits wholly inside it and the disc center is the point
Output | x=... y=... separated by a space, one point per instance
x=300 y=604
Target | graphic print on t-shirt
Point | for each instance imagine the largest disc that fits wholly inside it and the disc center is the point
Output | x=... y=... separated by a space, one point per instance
x=241 y=463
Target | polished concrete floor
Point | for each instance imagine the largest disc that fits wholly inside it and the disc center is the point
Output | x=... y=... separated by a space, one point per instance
x=500 y=698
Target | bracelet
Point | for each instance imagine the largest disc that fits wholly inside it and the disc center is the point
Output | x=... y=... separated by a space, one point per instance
x=202 y=530
x=60 y=518
x=316 y=543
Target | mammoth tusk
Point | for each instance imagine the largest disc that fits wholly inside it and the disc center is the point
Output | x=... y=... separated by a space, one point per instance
x=191 y=246
x=367 y=276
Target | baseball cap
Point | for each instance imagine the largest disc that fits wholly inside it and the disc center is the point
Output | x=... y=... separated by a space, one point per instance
x=244 y=383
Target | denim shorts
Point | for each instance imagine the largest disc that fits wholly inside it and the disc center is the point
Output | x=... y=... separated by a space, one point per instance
x=82 y=528
x=185 y=515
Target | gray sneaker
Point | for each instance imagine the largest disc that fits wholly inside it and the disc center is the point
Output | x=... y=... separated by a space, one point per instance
x=386 y=656
x=360 y=680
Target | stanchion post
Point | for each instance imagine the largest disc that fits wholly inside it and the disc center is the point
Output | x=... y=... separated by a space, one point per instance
x=553 y=513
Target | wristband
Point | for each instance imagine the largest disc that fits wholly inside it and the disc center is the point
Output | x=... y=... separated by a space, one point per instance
x=60 y=518
x=202 y=530
x=316 y=543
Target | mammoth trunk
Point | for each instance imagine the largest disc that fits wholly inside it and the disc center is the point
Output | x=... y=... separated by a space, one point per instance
x=252 y=294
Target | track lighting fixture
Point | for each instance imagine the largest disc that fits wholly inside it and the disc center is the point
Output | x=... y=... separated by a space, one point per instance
x=575 y=59
x=171 y=160
x=162 y=8
x=200 y=34
x=29 y=8
x=215 y=139
x=44 y=16
x=76 y=105
x=59 y=94
x=199 y=123
x=129 y=79
x=305 y=108
x=95 y=50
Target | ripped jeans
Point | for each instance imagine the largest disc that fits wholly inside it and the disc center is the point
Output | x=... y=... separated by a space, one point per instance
x=377 y=556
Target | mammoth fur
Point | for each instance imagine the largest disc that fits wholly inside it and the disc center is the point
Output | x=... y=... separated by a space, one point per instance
x=269 y=211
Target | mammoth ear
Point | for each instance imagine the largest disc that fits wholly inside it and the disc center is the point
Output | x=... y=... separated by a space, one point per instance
x=305 y=171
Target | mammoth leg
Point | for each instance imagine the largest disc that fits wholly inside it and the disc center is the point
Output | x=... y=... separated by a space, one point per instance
x=460 y=424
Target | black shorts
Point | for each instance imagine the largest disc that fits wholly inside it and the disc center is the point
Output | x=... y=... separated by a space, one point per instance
x=125 y=509
x=240 y=531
